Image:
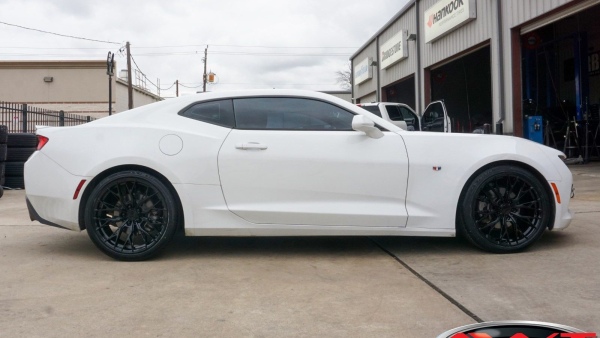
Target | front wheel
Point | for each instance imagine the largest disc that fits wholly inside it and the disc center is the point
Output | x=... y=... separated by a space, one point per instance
x=505 y=209
x=130 y=216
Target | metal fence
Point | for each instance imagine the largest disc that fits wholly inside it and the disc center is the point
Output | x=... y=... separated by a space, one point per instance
x=22 y=118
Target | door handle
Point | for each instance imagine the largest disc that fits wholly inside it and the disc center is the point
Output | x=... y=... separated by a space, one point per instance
x=250 y=146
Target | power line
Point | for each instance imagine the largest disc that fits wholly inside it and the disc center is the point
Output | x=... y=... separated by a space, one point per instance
x=63 y=35
x=243 y=46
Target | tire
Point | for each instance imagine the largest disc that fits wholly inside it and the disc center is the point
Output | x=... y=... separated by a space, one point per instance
x=22 y=140
x=3 y=151
x=1 y=191
x=130 y=216
x=19 y=154
x=14 y=182
x=3 y=134
x=14 y=168
x=505 y=209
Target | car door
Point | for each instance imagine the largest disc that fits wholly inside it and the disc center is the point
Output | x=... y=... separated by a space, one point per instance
x=435 y=118
x=297 y=161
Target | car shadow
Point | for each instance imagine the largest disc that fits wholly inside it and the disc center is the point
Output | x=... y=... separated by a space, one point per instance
x=187 y=247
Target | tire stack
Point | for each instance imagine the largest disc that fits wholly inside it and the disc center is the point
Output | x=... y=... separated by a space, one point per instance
x=3 y=136
x=20 y=147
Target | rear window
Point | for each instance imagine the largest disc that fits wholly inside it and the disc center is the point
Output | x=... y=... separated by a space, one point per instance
x=372 y=109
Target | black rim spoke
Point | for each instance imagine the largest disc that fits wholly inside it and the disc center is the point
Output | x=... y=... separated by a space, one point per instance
x=130 y=216
x=507 y=210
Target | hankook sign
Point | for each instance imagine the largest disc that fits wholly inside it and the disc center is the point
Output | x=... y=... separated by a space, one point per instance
x=363 y=71
x=394 y=50
x=447 y=15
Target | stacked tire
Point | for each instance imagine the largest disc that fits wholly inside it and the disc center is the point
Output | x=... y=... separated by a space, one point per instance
x=3 y=147
x=19 y=147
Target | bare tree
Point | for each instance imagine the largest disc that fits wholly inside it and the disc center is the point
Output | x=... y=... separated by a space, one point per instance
x=342 y=77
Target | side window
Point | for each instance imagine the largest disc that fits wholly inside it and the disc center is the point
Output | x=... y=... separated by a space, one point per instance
x=279 y=113
x=410 y=118
x=215 y=112
x=394 y=112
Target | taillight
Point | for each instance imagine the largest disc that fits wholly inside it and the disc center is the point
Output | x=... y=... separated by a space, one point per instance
x=42 y=140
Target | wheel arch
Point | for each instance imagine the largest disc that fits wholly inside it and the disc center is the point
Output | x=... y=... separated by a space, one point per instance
x=522 y=165
x=98 y=178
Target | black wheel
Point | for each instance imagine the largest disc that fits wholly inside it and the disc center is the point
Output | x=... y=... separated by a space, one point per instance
x=3 y=150
x=14 y=182
x=3 y=134
x=19 y=154
x=14 y=168
x=1 y=191
x=505 y=209
x=130 y=216
x=22 y=140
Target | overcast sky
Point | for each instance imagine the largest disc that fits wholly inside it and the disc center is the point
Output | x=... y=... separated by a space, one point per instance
x=252 y=43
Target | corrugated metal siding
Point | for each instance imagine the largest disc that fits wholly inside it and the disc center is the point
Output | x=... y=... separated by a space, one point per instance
x=370 y=85
x=517 y=12
x=405 y=67
x=464 y=37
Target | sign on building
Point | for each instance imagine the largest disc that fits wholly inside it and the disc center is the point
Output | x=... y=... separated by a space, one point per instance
x=447 y=15
x=394 y=50
x=363 y=71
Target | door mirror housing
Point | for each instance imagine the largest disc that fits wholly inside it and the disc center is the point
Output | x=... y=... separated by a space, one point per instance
x=367 y=126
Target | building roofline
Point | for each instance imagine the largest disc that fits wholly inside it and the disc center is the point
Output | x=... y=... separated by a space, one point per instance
x=52 y=64
x=386 y=26
x=138 y=89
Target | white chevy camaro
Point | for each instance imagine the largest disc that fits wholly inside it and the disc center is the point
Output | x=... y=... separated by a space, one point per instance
x=288 y=163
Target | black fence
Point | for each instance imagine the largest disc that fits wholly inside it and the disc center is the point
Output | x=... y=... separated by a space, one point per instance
x=22 y=118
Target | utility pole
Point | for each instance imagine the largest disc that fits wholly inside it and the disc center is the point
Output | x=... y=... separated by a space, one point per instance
x=177 y=88
x=204 y=76
x=129 y=82
x=110 y=60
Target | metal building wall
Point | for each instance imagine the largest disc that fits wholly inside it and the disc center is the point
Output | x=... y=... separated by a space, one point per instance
x=368 y=87
x=516 y=12
x=405 y=67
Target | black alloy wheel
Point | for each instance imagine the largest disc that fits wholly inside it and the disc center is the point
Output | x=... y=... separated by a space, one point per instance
x=131 y=216
x=505 y=209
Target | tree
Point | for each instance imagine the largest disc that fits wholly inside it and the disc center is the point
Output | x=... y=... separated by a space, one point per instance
x=342 y=77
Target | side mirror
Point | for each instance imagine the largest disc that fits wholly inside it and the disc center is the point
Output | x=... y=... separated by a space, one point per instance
x=364 y=124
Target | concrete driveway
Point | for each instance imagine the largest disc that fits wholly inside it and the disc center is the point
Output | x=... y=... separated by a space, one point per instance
x=54 y=282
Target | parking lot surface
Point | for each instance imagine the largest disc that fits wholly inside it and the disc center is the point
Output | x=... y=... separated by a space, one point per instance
x=54 y=282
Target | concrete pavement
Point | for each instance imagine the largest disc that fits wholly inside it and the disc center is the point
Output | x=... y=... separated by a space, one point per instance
x=54 y=282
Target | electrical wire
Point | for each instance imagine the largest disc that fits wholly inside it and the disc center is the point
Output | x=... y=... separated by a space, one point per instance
x=242 y=46
x=57 y=34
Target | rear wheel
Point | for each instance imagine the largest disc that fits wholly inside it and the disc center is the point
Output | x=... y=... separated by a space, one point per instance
x=505 y=209
x=130 y=216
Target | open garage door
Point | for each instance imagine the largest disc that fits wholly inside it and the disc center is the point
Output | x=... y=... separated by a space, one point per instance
x=465 y=86
x=561 y=82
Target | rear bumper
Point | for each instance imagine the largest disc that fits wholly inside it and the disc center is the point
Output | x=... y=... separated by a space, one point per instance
x=34 y=216
x=50 y=201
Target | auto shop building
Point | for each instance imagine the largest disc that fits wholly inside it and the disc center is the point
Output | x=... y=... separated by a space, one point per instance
x=491 y=61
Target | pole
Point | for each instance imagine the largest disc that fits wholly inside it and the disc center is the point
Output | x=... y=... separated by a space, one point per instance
x=109 y=95
x=204 y=76
x=129 y=82
x=110 y=60
x=177 y=88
